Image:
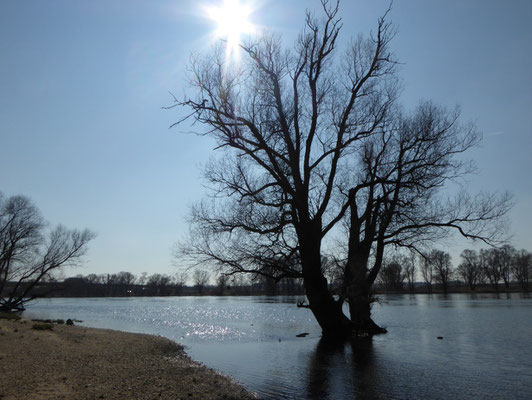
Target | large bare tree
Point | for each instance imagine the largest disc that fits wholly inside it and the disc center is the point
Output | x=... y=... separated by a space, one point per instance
x=28 y=255
x=312 y=140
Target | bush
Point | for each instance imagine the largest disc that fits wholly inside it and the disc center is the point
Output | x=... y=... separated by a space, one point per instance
x=42 y=326
x=10 y=316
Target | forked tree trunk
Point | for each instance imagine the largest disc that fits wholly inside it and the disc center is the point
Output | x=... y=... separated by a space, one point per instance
x=332 y=320
x=358 y=292
x=360 y=300
x=328 y=312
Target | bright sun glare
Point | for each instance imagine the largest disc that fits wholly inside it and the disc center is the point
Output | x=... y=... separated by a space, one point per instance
x=232 y=21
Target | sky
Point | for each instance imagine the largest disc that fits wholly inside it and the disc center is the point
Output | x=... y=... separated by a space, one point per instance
x=84 y=134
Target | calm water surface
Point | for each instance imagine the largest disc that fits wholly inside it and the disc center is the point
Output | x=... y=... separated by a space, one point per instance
x=486 y=351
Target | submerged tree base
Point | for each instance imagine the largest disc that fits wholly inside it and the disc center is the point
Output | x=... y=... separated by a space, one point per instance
x=353 y=331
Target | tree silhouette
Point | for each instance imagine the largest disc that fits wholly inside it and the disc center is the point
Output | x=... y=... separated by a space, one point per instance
x=28 y=254
x=442 y=267
x=470 y=268
x=313 y=147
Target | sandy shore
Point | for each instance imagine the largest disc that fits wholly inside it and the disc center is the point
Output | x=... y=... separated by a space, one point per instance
x=74 y=362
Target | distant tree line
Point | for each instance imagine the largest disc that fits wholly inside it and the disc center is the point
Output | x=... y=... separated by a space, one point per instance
x=199 y=282
x=494 y=269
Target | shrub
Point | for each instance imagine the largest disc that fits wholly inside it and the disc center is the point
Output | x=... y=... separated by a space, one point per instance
x=11 y=316
x=42 y=326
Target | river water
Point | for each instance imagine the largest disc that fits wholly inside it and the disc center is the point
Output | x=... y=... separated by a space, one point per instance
x=485 y=353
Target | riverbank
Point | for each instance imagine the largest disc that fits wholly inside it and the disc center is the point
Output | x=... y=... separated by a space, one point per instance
x=75 y=362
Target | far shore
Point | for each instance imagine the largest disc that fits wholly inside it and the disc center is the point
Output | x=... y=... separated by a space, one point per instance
x=78 y=287
x=45 y=361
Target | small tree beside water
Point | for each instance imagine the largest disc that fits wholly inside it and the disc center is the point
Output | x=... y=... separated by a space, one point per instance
x=30 y=253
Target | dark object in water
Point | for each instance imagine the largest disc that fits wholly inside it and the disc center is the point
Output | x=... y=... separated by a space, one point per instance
x=440 y=337
x=304 y=334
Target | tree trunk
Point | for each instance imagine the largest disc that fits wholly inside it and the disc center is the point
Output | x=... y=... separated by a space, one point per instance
x=359 y=301
x=358 y=293
x=328 y=312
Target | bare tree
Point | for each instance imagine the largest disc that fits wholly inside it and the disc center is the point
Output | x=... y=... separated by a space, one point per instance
x=221 y=284
x=142 y=279
x=522 y=268
x=470 y=268
x=312 y=140
x=409 y=263
x=427 y=272
x=180 y=281
x=504 y=260
x=241 y=284
x=94 y=278
x=491 y=267
x=159 y=283
x=391 y=275
x=125 y=278
x=201 y=278
x=28 y=254
x=442 y=266
x=333 y=271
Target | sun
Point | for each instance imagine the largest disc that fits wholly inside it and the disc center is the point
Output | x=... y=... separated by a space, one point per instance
x=232 y=22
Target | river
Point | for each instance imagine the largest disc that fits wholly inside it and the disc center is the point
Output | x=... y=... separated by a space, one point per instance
x=485 y=350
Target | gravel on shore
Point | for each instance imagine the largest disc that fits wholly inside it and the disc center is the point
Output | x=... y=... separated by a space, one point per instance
x=75 y=362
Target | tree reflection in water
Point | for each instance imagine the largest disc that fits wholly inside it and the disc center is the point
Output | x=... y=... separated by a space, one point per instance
x=335 y=366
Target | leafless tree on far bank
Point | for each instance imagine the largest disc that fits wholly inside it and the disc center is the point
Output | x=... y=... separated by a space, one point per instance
x=470 y=269
x=442 y=267
x=201 y=278
x=427 y=272
x=409 y=263
x=490 y=267
x=522 y=268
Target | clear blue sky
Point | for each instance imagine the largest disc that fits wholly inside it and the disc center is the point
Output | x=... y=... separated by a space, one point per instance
x=82 y=84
